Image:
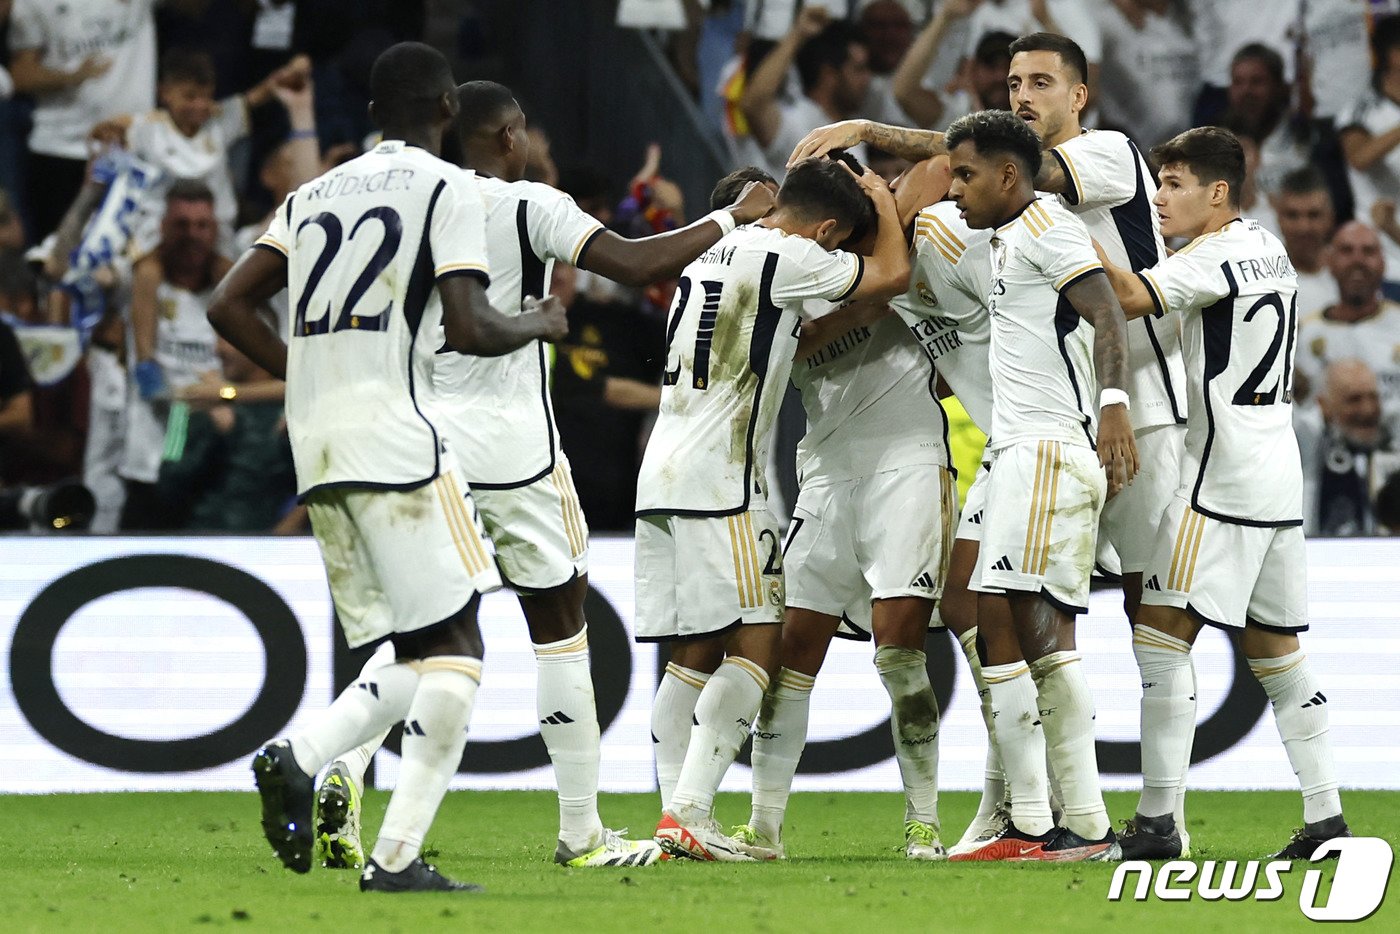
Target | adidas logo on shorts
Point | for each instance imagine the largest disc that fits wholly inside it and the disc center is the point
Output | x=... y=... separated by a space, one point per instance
x=1003 y=564
x=1152 y=584
x=923 y=580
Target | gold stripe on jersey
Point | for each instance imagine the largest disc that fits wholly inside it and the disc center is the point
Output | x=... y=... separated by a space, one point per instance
x=1037 y=498
x=938 y=245
x=943 y=234
x=1073 y=172
x=1188 y=541
x=1176 y=550
x=1043 y=546
x=569 y=509
x=948 y=232
x=1070 y=277
x=1155 y=289
x=457 y=267
x=1034 y=223
x=470 y=534
x=269 y=240
x=1202 y=239
x=1037 y=211
x=578 y=247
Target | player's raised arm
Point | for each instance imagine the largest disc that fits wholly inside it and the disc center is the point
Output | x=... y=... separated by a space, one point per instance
x=257 y=276
x=1128 y=287
x=904 y=142
x=1093 y=298
x=664 y=255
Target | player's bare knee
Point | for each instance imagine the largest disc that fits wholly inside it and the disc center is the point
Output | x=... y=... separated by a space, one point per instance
x=702 y=655
x=806 y=639
x=1258 y=642
x=1041 y=627
x=1170 y=621
x=901 y=622
x=556 y=614
x=760 y=643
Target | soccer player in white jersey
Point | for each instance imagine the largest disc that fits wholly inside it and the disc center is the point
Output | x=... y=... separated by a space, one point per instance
x=1230 y=551
x=709 y=563
x=385 y=260
x=1058 y=335
x=856 y=553
x=1101 y=177
x=496 y=412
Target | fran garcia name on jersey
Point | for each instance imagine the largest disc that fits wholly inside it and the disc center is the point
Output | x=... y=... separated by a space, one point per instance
x=1265 y=268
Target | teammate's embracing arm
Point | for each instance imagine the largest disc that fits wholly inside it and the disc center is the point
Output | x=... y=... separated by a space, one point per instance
x=887 y=269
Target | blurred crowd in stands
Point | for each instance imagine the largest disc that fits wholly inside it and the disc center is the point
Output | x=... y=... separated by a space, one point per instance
x=143 y=145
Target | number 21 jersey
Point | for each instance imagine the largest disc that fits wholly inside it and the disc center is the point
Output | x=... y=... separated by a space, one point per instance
x=730 y=339
x=1238 y=294
x=366 y=244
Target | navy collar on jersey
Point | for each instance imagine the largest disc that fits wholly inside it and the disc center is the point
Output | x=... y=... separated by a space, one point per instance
x=1012 y=219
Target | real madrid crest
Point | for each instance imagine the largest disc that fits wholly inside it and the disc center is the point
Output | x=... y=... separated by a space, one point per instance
x=928 y=298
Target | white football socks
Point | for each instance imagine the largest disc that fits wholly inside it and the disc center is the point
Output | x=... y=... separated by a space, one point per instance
x=672 y=714
x=780 y=735
x=914 y=722
x=1168 y=718
x=727 y=708
x=568 y=718
x=366 y=709
x=434 y=734
x=356 y=762
x=993 y=781
x=1300 y=709
x=1016 y=723
x=1067 y=717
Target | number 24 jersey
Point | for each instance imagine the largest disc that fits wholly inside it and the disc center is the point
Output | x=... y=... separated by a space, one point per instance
x=1237 y=292
x=730 y=339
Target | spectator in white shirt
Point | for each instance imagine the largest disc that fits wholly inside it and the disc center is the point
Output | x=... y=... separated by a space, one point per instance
x=1369 y=132
x=1258 y=97
x=979 y=85
x=82 y=61
x=1306 y=220
x=1150 y=73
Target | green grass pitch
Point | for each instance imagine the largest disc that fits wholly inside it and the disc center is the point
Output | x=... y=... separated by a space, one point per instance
x=196 y=862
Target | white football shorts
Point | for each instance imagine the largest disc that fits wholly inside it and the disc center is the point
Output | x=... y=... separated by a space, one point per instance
x=970 y=522
x=871 y=538
x=1040 y=524
x=400 y=561
x=1130 y=519
x=1225 y=574
x=539 y=531
x=698 y=576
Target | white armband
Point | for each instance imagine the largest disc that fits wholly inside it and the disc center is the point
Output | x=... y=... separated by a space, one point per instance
x=1113 y=396
x=724 y=219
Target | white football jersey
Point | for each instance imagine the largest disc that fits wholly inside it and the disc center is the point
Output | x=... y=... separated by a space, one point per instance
x=730 y=339
x=949 y=281
x=1237 y=292
x=186 y=345
x=1110 y=190
x=497 y=410
x=1374 y=341
x=1042 y=365
x=365 y=245
x=872 y=405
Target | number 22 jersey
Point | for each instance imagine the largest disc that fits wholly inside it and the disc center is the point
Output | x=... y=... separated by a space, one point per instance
x=366 y=244
x=1237 y=292
x=730 y=340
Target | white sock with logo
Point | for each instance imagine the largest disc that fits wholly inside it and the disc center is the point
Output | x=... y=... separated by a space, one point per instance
x=1168 y=717
x=672 y=714
x=356 y=762
x=434 y=734
x=780 y=734
x=727 y=708
x=1016 y=723
x=914 y=722
x=364 y=710
x=1067 y=716
x=568 y=718
x=1300 y=710
x=993 y=781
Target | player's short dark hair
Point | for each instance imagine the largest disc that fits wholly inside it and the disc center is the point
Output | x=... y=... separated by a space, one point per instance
x=406 y=82
x=818 y=188
x=1069 y=51
x=189 y=189
x=1212 y=153
x=993 y=47
x=728 y=189
x=1305 y=180
x=192 y=65
x=1266 y=56
x=998 y=133
x=831 y=46
x=484 y=104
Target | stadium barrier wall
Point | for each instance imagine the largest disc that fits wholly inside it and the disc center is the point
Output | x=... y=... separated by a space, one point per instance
x=162 y=663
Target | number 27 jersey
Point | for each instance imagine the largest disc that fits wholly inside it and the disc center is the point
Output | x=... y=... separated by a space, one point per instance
x=365 y=245
x=1238 y=294
x=730 y=340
